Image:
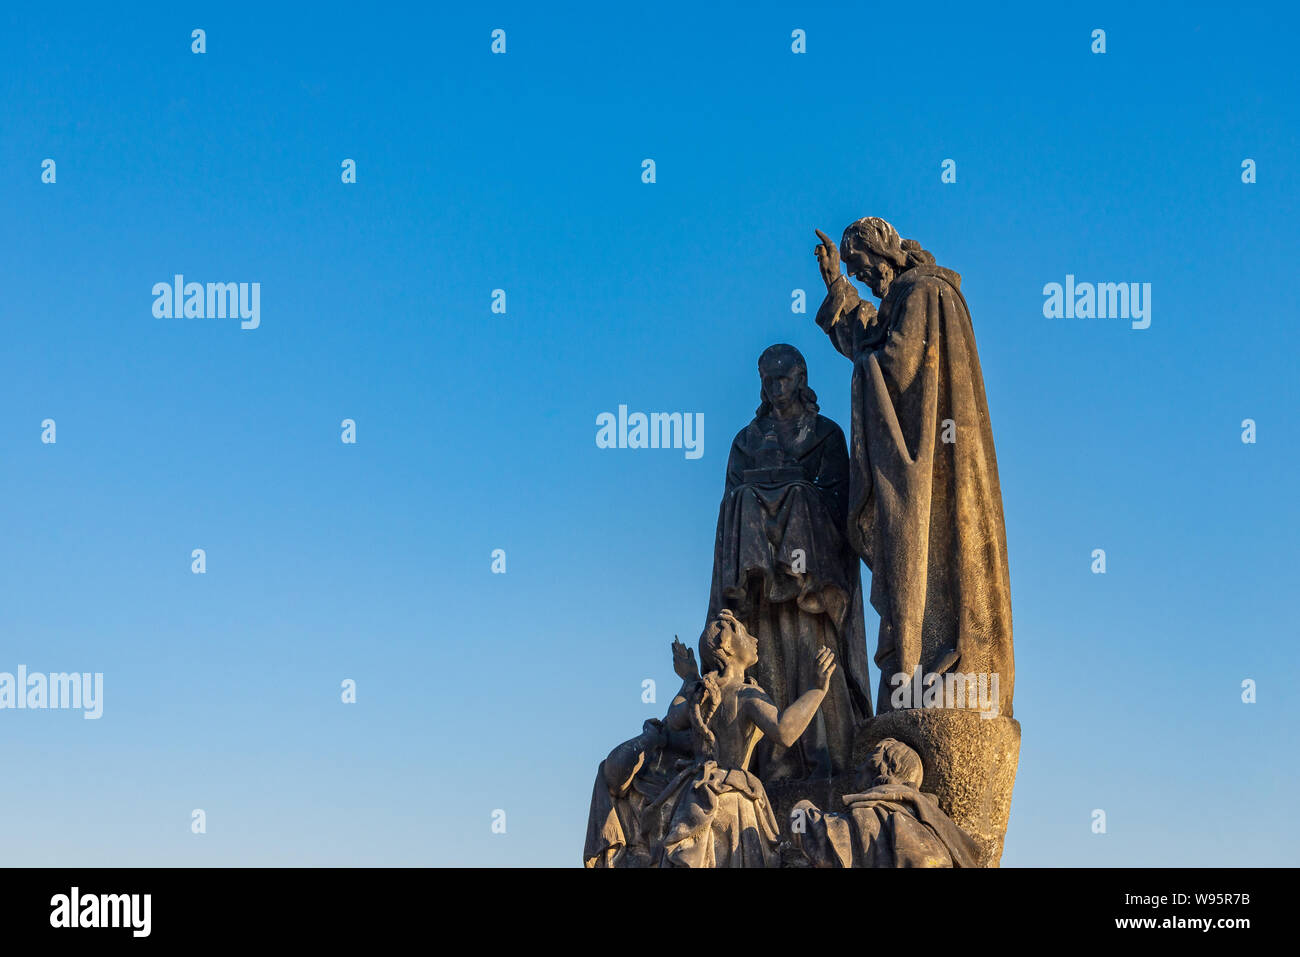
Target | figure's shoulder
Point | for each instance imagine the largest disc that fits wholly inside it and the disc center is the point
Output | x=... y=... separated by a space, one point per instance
x=926 y=288
x=826 y=430
x=827 y=427
x=745 y=438
x=930 y=277
x=922 y=283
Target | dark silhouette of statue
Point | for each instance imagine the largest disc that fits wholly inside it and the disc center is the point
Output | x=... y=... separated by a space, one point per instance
x=783 y=565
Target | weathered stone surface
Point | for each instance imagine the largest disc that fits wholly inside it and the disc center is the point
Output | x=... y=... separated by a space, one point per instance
x=771 y=721
x=970 y=766
x=890 y=822
x=714 y=812
x=783 y=566
x=826 y=792
x=925 y=503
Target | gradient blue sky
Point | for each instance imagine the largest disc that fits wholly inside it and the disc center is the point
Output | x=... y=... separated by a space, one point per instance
x=476 y=431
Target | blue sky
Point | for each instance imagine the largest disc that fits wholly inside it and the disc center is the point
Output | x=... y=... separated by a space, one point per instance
x=476 y=431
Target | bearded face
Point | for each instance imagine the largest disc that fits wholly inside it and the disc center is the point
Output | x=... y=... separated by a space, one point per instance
x=876 y=272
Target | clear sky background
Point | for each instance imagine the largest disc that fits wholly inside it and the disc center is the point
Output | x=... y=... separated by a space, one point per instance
x=476 y=431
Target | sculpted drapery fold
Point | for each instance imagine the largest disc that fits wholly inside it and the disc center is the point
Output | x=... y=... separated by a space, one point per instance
x=783 y=565
x=925 y=504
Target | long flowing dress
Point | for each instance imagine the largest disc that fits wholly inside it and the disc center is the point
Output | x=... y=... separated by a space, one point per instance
x=783 y=566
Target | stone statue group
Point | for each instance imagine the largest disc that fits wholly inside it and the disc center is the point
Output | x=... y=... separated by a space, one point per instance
x=777 y=715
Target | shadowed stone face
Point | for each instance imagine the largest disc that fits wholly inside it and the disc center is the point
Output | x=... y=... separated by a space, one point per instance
x=872 y=271
x=785 y=379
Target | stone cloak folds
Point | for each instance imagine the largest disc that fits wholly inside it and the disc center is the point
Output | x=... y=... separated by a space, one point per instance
x=783 y=566
x=925 y=505
x=887 y=826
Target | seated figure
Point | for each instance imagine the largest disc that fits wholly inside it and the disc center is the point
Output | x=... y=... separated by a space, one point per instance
x=720 y=813
x=892 y=824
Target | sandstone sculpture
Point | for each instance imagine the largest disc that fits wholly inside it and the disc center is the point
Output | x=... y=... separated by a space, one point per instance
x=925 y=504
x=713 y=812
x=733 y=775
x=892 y=823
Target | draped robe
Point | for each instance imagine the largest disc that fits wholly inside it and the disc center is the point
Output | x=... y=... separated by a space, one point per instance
x=891 y=825
x=925 y=504
x=783 y=566
x=626 y=820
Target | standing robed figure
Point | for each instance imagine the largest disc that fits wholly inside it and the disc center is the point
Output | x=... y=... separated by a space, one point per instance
x=782 y=565
x=925 y=506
